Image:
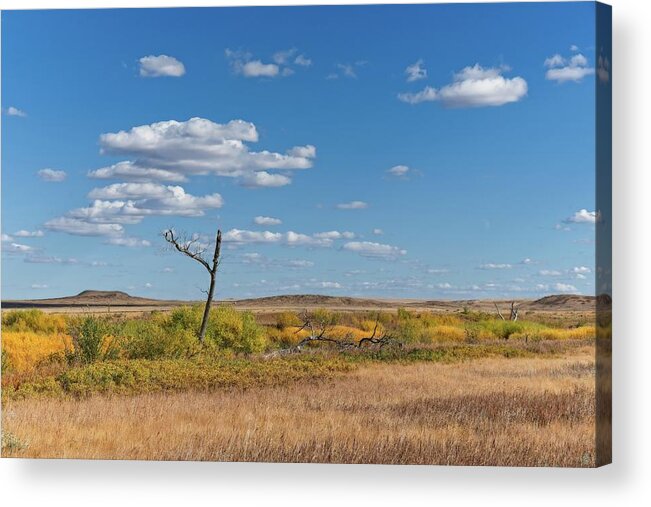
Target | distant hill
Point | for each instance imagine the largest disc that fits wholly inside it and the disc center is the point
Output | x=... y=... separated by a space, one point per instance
x=119 y=299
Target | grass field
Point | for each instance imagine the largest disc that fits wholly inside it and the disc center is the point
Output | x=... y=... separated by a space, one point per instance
x=464 y=389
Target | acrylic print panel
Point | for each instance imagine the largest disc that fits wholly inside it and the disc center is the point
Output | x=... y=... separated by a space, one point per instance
x=344 y=234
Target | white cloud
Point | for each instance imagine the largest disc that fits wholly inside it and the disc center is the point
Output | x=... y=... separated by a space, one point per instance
x=129 y=242
x=564 y=287
x=427 y=94
x=399 y=171
x=261 y=220
x=378 y=232
x=583 y=270
x=198 y=147
x=492 y=265
x=148 y=285
x=416 y=71
x=554 y=61
x=29 y=234
x=14 y=111
x=335 y=235
x=353 y=205
x=161 y=66
x=346 y=70
x=17 y=248
x=39 y=286
x=290 y=238
x=129 y=203
x=303 y=61
x=256 y=68
x=52 y=175
x=561 y=69
x=374 y=250
x=242 y=63
x=284 y=56
x=80 y=227
x=437 y=271
x=527 y=260
x=130 y=171
x=474 y=86
x=574 y=47
x=264 y=179
x=444 y=285
x=549 y=272
x=167 y=269
x=583 y=216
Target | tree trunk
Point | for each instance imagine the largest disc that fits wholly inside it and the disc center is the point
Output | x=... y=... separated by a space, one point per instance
x=206 y=310
x=211 y=289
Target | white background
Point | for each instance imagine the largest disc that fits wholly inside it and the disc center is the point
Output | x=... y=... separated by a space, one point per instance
x=626 y=482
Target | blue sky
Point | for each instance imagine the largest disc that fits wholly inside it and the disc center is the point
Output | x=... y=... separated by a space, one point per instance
x=442 y=151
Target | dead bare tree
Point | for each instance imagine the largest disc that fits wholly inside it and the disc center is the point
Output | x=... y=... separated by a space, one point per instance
x=514 y=312
x=318 y=328
x=194 y=250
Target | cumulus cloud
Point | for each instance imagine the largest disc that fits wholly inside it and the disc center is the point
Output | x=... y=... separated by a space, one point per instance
x=582 y=270
x=492 y=265
x=303 y=61
x=161 y=66
x=290 y=238
x=14 y=111
x=378 y=232
x=561 y=69
x=174 y=150
x=79 y=227
x=242 y=63
x=129 y=203
x=473 y=86
x=353 y=205
x=583 y=216
x=416 y=71
x=399 y=171
x=374 y=250
x=335 y=235
x=130 y=242
x=264 y=179
x=549 y=272
x=262 y=220
x=130 y=171
x=52 y=175
x=29 y=234
x=564 y=287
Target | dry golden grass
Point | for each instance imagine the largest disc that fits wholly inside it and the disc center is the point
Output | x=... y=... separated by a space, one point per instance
x=529 y=412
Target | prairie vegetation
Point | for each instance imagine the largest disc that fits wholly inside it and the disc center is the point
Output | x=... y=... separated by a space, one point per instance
x=456 y=388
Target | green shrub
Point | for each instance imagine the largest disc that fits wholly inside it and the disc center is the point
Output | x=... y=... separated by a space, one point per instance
x=148 y=339
x=91 y=340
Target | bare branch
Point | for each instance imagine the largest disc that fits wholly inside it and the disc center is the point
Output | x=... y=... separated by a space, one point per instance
x=498 y=311
x=186 y=248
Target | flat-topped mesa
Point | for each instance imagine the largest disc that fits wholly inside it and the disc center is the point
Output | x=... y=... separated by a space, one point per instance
x=103 y=294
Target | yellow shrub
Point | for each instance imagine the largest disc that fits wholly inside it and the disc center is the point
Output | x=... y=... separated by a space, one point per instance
x=577 y=333
x=23 y=351
x=446 y=333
